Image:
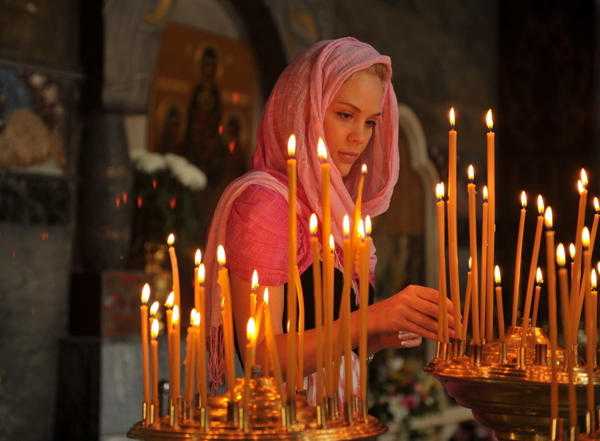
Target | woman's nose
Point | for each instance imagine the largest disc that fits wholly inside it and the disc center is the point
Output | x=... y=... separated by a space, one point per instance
x=358 y=135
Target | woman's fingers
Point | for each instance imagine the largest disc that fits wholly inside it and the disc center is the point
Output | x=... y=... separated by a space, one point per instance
x=412 y=342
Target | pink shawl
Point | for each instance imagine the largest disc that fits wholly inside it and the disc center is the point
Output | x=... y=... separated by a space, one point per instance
x=297 y=105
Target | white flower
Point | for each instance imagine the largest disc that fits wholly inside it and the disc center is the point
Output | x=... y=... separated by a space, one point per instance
x=186 y=173
x=148 y=162
x=37 y=80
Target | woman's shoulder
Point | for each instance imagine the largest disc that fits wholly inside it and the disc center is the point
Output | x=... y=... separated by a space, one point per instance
x=258 y=201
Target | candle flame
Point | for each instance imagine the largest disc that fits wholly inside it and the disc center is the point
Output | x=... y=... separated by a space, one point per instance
x=194 y=317
x=145 y=293
x=313 y=223
x=201 y=273
x=580 y=186
x=346 y=226
x=539 y=277
x=266 y=296
x=540 y=204
x=171 y=239
x=221 y=259
x=470 y=172
x=594 y=279
x=363 y=169
x=439 y=191
x=175 y=315
x=584 y=177
x=170 y=300
x=489 y=120
x=548 y=217
x=197 y=257
x=331 y=243
x=321 y=150
x=154 y=328
x=572 y=250
x=222 y=303
x=154 y=308
x=361 y=229
x=484 y=193
x=585 y=237
x=598 y=266
x=497 y=276
x=291 y=146
x=368 y=225
x=470 y=262
x=452 y=117
x=523 y=199
x=561 y=258
x=254 y=283
x=596 y=204
x=251 y=330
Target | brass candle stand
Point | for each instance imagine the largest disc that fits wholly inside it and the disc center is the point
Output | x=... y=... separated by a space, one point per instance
x=266 y=418
x=507 y=386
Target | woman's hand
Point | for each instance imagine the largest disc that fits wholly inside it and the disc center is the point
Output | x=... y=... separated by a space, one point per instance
x=413 y=310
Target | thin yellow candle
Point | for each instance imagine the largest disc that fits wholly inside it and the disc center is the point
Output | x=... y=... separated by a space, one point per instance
x=170 y=344
x=271 y=346
x=484 y=263
x=330 y=367
x=190 y=357
x=467 y=306
x=583 y=193
x=357 y=214
x=251 y=335
x=154 y=374
x=452 y=223
x=345 y=312
x=223 y=282
x=300 y=330
x=363 y=279
x=534 y=261
x=596 y=205
x=144 y=342
x=175 y=323
x=539 y=279
x=253 y=295
x=292 y=289
x=518 y=256
x=590 y=348
x=473 y=253
x=594 y=281
x=315 y=249
x=552 y=313
x=201 y=338
x=197 y=293
x=442 y=331
x=499 y=304
x=491 y=182
x=578 y=299
x=174 y=268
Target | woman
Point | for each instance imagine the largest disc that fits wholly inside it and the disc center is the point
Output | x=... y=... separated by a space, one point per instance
x=339 y=90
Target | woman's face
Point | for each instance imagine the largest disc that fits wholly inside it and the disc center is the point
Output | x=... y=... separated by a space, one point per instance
x=351 y=118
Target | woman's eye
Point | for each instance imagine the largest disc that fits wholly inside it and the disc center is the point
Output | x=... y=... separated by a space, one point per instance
x=371 y=123
x=344 y=115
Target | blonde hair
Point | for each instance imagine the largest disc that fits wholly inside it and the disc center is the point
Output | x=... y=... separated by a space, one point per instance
x=379 y=70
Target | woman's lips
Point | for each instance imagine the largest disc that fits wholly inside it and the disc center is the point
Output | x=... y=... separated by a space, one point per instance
x=348 y=157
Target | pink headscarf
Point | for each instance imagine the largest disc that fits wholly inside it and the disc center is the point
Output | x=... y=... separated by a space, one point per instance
x=297 y=105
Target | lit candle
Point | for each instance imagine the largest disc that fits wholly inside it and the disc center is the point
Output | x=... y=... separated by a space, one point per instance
x=174 y=268
x=201 y=338
x=452 y=223
x=345 y=311
x=253 y=288
x=154 y=309
x=534 y=261
x=362 y=312
x=491 y=182
x=197 y=286
x=170 y=348
x=590 y=349
x=484 y=262
x=251 y=334
x=518 y=256
x=357 y=215
x=315 y=249
x=154 y=328
x=300 y=330
x=223 y=282
x=552 y=318
x=583 y=194
x=596 y=205
x=175 y=323
x=467 y=306
x=587 y=267
x=539 y=279
x=271 y=346
x=144 y=341
x=473 y=253
x=331 y=373
x=292 y=289
x=190 y=357
x=442 y=332
x=499 y=305
x=594 y=337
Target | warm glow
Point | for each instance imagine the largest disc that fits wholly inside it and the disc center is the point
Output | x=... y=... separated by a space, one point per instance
x=580 y=186
x=331 y=243
x=572 y=251
x=170 y=300
x=346 y=226
x=197 y=257
x=254 y=283
x=251 y=330
x=470 y=262
x=561 y=258
x=175 y=315
x=266 y=296
x=484 y=193
x=363 y=169
x=596 y=204
x=470 y=172
x=292 y=146
x=439 y=191
x=201 y=273
x=194 y=317
x=523 y=199
x=548 y=217
x=154 y=328
x=452 y=117
x=489 y=120
x=585 y=237
x=313 y=223
x=539 y=277
x=584 y=177
x=497 y=276
x=145 y=293
x=598 y=266
x=171 y=239
x=154 y=308
x=594 y=279
x=540 y=204
x=368 y=226
x=321 y=150
x=221 y=259
x=361 y=229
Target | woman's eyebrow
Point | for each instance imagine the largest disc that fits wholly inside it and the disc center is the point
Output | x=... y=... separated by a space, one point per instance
x=357 y=108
